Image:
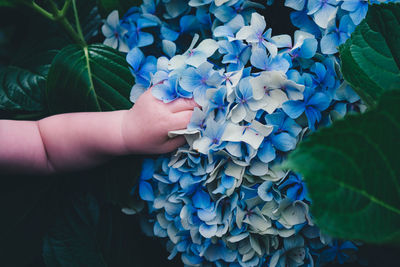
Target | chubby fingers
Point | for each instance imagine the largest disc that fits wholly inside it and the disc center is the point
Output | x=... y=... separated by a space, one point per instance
x=182 y=104
x=180 y=120
x=174 y=143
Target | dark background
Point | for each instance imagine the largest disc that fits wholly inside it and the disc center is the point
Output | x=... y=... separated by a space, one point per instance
x=21 y=241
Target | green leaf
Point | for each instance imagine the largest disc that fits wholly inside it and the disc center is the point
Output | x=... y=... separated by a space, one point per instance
x=93 y=78
x=21 y=90
x=353 y=174
x=88 y=234
x=11 y=3
x=371 y=58
x=121 y=5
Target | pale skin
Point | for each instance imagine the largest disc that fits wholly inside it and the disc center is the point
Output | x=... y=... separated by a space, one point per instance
x=74 y=141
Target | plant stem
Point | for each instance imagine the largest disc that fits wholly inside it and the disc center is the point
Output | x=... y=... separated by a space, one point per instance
x=40 y=10
x=65 y=8
x=61 y=17
x=68 y=27
x=77 y=22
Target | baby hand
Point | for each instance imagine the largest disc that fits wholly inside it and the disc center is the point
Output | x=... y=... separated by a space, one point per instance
x=146 y=125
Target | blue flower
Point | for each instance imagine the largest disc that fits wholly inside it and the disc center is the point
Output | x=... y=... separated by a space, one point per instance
x=340 y=251
x=141 y=67
x=261 y=60
x=199 y=80
x=314 y=102
x=255 y=35
x=115 y=33
x=336 y=36
x=294 y=187
x=236 y=54
x=219 y=104
x=241 y=111
x=268 y=191
x=211 y=140
x=301 y=20
x=168 y=89
x=229 y=29
x=136 y=37
x=357 y=8
x=305 y=45
x=322 y=10
x=285 y=131
x=295 y=4
x=194 y=56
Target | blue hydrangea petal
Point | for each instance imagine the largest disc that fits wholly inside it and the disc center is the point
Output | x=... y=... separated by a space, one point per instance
x=145 y=39
x=308 y=49
x=164 y=92
x=135 y=57
x=323 y=16
x=284 y=142
x=169 y=34
x=208 y=231
x=329 y=44
x=267 y=152
x=147 y=169
x=319 y=100
x=146 y=191
x=295 y=4
x=293 y=108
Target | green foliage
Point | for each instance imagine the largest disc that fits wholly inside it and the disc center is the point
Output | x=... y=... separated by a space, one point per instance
x=94 y=78
x=122 y=6
x=353 y=175
x=371 y=57
x=11 y=3
x=21 y=90
x=351 y=168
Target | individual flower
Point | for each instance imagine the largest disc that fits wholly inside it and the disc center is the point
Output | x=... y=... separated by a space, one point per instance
x=341 y=251
x=236 y=54
x=268 y=191
x=137 y=37
x=357 y=8
x=241 y=111
x=199 y=80
x=314 y=102
x=323 y=11
x=270 y=91
x=294 y=188
x=336 y=36
x=285 y=131
x=115 y=33
x=141 y=67
x=262 y=61
x=255 y=35
x=168 y=89
x=294 y=253
x=211 y=140
x=194 y=56
x=305 y=45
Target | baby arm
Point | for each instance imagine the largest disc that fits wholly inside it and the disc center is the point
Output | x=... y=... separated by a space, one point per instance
x=82 y=140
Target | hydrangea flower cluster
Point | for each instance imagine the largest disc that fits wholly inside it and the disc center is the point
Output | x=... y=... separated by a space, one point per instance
x=223 y=198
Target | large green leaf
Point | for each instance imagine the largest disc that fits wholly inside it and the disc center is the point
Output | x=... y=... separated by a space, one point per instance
x=353 y=174
x=93 y=78
x=88 y=233
x=21 y=90
x=371 y=57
